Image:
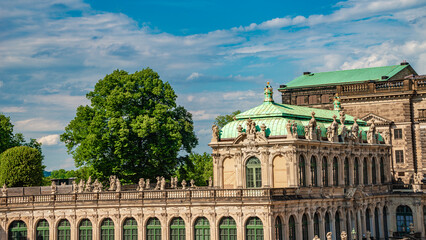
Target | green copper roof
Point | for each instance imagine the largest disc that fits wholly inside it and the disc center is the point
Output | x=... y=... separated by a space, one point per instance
x=345 y=76
x=272 y=109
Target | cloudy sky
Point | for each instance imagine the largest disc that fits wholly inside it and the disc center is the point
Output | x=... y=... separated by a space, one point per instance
x=217 y=55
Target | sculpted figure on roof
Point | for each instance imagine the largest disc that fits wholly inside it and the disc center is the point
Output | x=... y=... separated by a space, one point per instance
x=371 y=134
x=215 y=133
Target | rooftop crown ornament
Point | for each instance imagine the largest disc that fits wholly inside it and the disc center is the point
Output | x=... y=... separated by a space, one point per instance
x=268 y=91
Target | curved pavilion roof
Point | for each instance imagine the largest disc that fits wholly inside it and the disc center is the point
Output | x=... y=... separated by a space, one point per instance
x=275 y=117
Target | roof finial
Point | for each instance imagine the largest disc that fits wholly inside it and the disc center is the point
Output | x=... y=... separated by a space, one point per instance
x=268 y=92
x=336 y=103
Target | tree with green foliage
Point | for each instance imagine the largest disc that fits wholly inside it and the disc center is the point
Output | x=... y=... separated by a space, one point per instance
x=21 y=167
x=133 y=128
x=10 y=140
x=198 y=167
x=221 y=121
x=81 y=173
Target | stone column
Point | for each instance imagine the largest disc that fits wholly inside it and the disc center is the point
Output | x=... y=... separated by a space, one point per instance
x=381 y=226
x=364 y=222
x=333 y=224
x=311 y=227
x=361 y=171
x=322 y=232
x=359 y=228
x=370 y=170
x=418 y=216
x=294 y=175
x=239 y=170
x=341 y=172
x=266 y=173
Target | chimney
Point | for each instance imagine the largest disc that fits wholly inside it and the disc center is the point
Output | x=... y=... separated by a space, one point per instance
x=404 y=63
x=306 y=73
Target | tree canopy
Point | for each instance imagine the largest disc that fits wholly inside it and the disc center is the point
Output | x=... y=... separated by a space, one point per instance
x=198 y=167
x=21 y=167
x=222 y=120
x=133 y=128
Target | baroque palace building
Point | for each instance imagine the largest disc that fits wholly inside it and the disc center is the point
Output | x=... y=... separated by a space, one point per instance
x=393 y=96
x=280 y=171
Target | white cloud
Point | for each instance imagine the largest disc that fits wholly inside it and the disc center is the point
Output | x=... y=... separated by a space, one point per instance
x=13 y=109
x=203 y=115
x=194 y=75
x=39 y=125
x=67 y=164
x=204 y=131
x=61 y=100
x=1 y=84
x=49 y=140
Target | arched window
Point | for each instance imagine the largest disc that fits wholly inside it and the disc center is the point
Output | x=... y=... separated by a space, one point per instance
x=64 y=230
x=227 y=229
x=42 y=230
x=85 y=230
x=373 y=171
x=404 y=217
x=314 y=179
x=365 y=171
x=107 y=229
x=302 y=172
x=202 y=229
x=253 y=173
x=316 y=225
x=130 y=229
x=18 y=231
x=327 y=223
x=153 y=229
x=356 y=172
x=291 y=228
x=376 y=223
x=254 y=229
x=335 y=171
x=385 y=222
x=346 y=175
x=177 y=229
x=278 y=229
x=368 y=219
x=324 y=172
x=305 y=232
x=382 y=170
x=337 y=225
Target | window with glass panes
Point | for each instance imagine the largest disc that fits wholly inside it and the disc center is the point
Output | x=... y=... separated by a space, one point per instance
x=64 y=230
x=202 y=229
x=302 y=172
x=327 y=223
x=291 y=228
x=130 y=229
x=18 y=231
x=85 y=230
x=337 y=225
x=397 y=133
x=305 y=232
x=42 y=230
x=177 y=229
x=404 y=217
x=373 y=171
x=335 y=172
x=278 y=229
x=153 y=229
x=254 y=229
x=107 y=229
x=253 y=173
x=316 y=225
x=356 y=172
x=346 y=175
x=365 y=171
x=227 y=229
x=399 y=156
x=314 y=179
x=382 y=171
x=324 y=172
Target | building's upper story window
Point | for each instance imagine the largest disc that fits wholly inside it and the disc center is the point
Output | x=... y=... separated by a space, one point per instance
x=397 y=133
x=399 y=156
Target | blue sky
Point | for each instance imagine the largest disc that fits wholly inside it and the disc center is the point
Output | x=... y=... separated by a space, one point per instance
x=217 y=55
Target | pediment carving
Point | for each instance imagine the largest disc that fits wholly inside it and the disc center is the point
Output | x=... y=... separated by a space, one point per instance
x=378 y=120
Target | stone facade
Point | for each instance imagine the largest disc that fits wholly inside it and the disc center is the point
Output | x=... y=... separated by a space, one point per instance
x=295 y=186
x=396 y=104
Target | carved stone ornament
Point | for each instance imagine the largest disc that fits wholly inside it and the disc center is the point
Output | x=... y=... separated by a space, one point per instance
x=215 y=133
x=329 y=236
x=4 y=191
x=332 y=131
x=251 y=137
x=371 y=134
x=343 y=236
